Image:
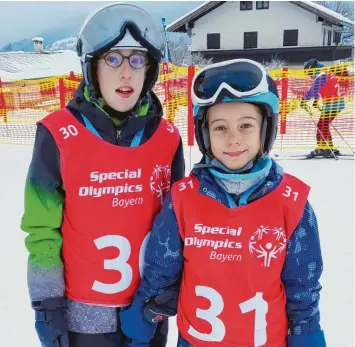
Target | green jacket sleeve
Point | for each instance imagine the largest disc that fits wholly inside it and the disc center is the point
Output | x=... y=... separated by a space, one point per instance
x=42 y=219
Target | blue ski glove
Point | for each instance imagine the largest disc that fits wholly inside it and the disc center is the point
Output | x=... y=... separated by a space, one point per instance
x=315 y=339
x=51 y=323
x=138 y=330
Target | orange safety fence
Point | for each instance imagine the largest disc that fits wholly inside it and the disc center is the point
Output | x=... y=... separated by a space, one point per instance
x=24 y=102
x=298 y=121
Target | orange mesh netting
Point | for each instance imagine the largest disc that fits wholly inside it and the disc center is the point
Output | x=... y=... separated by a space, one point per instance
x=23 y=102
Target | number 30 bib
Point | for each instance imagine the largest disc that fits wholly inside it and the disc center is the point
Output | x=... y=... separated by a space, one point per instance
x=231 y=292
x=112 y=195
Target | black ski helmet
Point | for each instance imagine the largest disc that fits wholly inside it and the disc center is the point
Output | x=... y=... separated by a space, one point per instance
x=311 y=64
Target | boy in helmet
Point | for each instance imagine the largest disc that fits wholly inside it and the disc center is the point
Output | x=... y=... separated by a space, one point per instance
x=325 y=85
x=239 y=231
x=99 y=172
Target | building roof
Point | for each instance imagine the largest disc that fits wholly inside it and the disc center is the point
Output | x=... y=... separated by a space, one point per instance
x=180 y=24
x=24 y=65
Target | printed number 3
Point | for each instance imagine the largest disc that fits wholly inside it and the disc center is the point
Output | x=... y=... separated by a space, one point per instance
x=256 y=303
x=120 y=263
x=218 y=329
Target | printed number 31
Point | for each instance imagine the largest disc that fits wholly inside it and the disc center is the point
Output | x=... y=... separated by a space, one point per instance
x=256 y=303
x=288 y=193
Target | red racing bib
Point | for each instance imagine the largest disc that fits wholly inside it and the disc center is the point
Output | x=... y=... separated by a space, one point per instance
x=112 y=195
x=231 y=291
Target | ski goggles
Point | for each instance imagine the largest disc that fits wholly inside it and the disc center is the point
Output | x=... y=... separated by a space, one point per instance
x=107 y=26
x=135 y=60
x=240 y=77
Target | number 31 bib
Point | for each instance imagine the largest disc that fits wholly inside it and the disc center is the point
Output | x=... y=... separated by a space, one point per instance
x=231 y=292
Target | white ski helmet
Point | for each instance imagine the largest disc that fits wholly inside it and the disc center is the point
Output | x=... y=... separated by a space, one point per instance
x=237 y=80
x=120 y=25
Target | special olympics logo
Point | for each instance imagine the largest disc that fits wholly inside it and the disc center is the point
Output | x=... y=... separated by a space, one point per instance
x=160 y=181
x=267 y=243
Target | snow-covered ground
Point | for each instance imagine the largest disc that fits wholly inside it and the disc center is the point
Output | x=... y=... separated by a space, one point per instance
x=332 y=196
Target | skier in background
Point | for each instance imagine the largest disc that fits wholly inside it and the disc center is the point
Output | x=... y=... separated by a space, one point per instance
x=326 y=86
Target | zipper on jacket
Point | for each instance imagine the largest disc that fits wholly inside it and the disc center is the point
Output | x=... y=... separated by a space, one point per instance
x=118 y=135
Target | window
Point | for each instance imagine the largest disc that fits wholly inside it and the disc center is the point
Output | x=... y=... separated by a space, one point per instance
x=213 y=41
x=337 y=37
x=246 y=5
x=329 y=38
x=251 y=39
x=262 y=5
x=324 y=34
x=291 y=37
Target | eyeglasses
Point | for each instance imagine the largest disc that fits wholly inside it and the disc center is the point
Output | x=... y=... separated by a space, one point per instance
x=241 y=77
x=115 y=59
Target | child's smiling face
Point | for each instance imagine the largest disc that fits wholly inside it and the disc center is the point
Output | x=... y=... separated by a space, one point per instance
x=235 y=133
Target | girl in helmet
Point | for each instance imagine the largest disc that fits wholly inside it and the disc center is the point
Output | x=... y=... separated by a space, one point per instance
x=238 y=233
x=99 y=172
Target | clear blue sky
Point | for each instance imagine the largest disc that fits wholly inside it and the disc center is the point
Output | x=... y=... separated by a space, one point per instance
x=20 y=19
